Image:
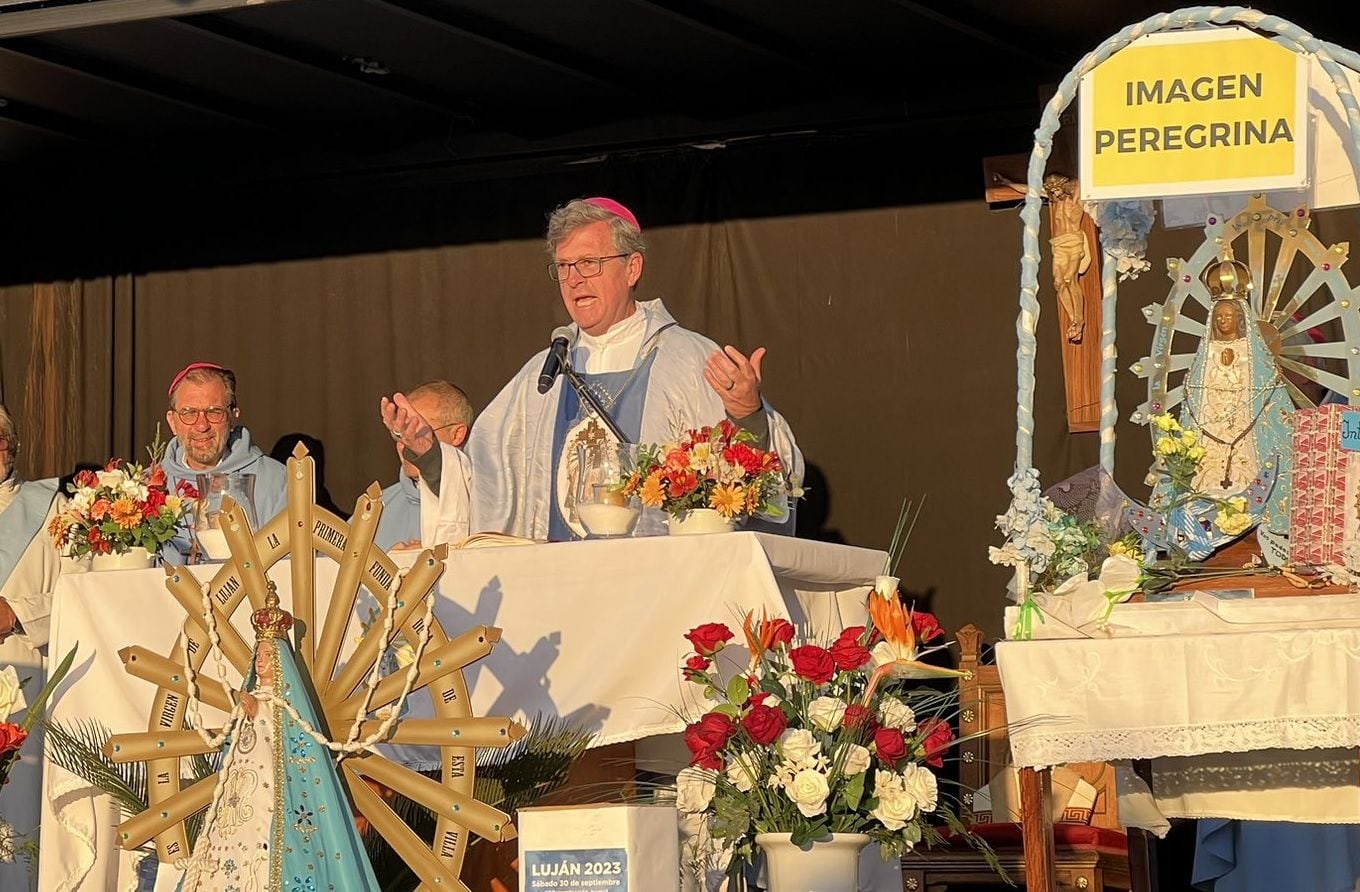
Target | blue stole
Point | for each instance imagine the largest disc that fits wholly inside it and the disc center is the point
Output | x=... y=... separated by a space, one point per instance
x=626 y=412
x=23 y=520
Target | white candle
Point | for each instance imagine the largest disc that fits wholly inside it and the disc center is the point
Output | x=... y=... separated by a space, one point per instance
x=608 y=520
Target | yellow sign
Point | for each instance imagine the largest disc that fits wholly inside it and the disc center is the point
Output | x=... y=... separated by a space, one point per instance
x=1193 y=113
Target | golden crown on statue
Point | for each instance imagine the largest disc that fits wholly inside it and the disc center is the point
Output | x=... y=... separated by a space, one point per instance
x=1226 y=278
x=271 y=620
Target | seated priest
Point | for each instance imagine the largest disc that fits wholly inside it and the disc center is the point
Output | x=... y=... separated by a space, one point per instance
x=209 y=438
x=652 y=376
x=29 y=566
x=429 y=502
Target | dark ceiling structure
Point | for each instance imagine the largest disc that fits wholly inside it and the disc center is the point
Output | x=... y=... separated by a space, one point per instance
x=280 y=90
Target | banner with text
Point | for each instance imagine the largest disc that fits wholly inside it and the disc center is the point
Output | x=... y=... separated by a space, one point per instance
x=1195 y=112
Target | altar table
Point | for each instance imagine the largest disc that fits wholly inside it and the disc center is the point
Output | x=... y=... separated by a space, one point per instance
x=592 y=631
x=1247 y=709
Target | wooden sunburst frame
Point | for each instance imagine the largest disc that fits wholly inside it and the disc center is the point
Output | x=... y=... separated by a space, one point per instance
x=305 y=529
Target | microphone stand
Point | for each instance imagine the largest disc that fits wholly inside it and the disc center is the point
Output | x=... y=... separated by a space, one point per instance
x=588 y=397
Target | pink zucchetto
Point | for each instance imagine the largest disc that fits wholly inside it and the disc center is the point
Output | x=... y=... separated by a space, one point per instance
x=193 y=366
x=615 y=208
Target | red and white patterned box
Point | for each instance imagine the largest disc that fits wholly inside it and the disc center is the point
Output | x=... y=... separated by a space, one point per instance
x=1323 y=506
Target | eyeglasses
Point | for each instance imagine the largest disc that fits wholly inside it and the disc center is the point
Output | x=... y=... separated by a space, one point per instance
x=214 y=414
x=586 y=267
x=443 y=426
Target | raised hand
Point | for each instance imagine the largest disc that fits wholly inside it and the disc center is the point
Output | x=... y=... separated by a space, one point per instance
x=735 y=379
x=407 y=426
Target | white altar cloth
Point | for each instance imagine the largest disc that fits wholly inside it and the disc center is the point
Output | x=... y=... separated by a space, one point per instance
x=592 y=630
x=1257 y=703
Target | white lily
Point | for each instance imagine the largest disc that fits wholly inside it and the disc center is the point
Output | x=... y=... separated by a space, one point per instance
x=1081 y=601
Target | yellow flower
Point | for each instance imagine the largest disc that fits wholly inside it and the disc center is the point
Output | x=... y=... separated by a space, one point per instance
x=1168 y=446
x=1238 y=503
x=728 y=500
x=1120 y=548
x=1195 y=452
x=1189 y=438
x=126 y=513
x=1232 y=523
x=652 y=493
x=1166 y=422
x=173 y=503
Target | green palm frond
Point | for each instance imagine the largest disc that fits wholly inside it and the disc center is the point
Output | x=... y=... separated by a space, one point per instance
x=78 y=747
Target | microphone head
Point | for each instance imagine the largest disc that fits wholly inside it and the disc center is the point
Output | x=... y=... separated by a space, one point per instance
x=564 y=332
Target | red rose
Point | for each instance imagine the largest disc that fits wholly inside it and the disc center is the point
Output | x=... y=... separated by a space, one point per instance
x=709 y=638
x=890 y=746
x=706 y=738
x=695 y=665
x=936 y=736
x=764 y=723
x=813 y=663
x=87 y=479
x=681 y=483
x=742 y=455
x=157 y=477
x=155 y=500
x=848 y=652
x=861 y=719
x=926 y=626
x=779 y=632
x=11 y=738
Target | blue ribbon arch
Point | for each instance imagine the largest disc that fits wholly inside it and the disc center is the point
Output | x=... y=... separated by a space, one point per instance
x=1330 y=56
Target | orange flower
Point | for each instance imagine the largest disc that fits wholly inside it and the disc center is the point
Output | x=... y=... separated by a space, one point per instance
x=897 y=654
x=631 y=485
x=126 y=513
x=728 y=500
x=100 y=509
x=58 y=527
x=652 y=494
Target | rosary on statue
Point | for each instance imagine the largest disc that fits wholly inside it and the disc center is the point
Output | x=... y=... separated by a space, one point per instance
x=1227 y=481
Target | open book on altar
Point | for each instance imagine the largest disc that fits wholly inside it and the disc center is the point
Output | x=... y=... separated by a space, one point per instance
x=494 y=540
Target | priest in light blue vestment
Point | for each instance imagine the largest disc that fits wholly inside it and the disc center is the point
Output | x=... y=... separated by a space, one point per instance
x=29 y=567
x=209 y=438
x=428 y=504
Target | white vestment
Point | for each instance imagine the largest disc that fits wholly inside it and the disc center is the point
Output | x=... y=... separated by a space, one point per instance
x=511 y=445
x=444 y=518
x=29 y=593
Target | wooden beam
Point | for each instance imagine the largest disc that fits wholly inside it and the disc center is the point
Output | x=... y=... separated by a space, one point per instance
x=111 y=12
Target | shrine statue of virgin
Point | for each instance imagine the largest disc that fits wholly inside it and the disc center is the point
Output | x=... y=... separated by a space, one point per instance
x=1236 y=399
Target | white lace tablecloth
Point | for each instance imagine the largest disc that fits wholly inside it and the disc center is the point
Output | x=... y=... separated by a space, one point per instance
x=592 y=630
x=1256 y=702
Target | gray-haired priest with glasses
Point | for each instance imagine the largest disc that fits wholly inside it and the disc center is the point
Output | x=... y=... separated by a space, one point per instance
x=209 y=439
x=653 y=377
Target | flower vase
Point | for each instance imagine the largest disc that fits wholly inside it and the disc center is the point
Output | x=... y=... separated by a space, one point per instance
x=825 y=866
x=699 y=520
x=136 y=558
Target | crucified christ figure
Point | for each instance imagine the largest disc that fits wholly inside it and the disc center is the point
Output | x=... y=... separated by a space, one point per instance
x=1071 y=251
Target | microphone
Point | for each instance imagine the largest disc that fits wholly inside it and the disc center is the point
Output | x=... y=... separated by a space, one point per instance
x=557 y=357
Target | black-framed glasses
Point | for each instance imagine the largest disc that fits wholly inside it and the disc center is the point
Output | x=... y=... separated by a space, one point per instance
x=586 y=267
x=214 y=414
